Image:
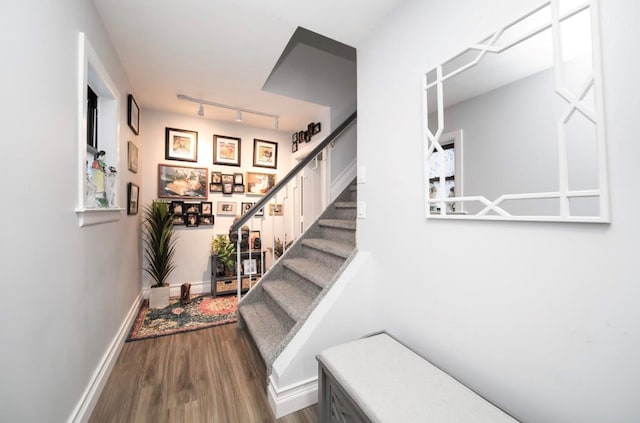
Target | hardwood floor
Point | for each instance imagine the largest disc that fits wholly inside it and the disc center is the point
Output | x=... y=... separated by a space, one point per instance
x=212 y=375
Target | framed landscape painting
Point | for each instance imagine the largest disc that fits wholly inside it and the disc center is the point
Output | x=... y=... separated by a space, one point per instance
x=182 y=182
x=259 y=183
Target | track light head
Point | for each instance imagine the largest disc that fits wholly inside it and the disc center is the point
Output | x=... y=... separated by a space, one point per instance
x=276 y=123
x=201 y=110
x=239 y=116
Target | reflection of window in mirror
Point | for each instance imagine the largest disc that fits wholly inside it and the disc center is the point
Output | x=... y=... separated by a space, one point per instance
x=451 y=159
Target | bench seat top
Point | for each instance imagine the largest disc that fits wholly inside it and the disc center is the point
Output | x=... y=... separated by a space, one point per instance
x=391 y=383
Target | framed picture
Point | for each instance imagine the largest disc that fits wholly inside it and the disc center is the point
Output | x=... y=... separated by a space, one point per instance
x=259 y=213
x=227 y=188
x=245 y=206
x=206 y=207
x=302 y=136
x=294 y=137
x=178 y=219
x=215 y=187
x=216 y=177
x=132 y=157
x=317 y=127
x=226 y=150
x=226 y=208
x=294 y=146
x=259 y=183
x=191 y=220
x=227 y=179
x=265 y=153
x=249 y=266
x=276 y=209
x=177 y=208
x=133 y=196
x=192 y=208
x=254 y=240
x=206 y=219
x=133 y=114
x=180 y=144
x=182 y=182
x=238 y=178
x=238 y=189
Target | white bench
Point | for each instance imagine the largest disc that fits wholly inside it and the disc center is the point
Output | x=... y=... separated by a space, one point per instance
x=377 y=379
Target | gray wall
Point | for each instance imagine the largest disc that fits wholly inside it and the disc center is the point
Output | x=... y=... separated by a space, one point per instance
x=540 y=318
x=67 y=289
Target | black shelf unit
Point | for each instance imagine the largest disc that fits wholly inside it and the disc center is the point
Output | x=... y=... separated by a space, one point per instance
x=225 y=285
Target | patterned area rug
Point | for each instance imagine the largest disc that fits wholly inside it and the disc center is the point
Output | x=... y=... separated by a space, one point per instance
x=204 y=311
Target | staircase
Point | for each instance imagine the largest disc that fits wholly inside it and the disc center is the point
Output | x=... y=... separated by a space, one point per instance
x=278 y=305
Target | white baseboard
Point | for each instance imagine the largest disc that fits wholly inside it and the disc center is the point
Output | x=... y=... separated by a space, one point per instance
x=343 y=180
x=196 y=288
x=89 y=398
x=292 y=398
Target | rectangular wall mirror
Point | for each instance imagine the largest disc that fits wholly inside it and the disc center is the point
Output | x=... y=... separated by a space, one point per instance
x=514 y=125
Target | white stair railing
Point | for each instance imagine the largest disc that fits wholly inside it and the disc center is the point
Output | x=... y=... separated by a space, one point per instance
x=280 y=211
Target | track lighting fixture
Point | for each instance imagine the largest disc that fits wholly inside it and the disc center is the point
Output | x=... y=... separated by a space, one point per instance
x=238 y=110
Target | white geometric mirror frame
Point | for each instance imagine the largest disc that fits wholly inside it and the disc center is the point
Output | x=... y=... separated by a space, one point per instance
x=492 y=209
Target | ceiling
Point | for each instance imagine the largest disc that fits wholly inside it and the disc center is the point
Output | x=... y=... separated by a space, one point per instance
x=224 y=50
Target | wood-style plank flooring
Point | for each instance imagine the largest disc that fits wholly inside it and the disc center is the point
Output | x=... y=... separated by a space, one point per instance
x=211 y=375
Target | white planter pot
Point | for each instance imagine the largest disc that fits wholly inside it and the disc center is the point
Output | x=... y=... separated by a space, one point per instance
x=159 y=297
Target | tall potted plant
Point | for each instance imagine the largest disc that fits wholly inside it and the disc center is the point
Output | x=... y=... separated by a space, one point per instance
x=159 y=250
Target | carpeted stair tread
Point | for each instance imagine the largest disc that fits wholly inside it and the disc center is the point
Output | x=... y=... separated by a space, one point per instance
x=336 y=248
x=290 y=296
x=346 y=205
x=338 y=223
x=316 y=273
x=266 y=329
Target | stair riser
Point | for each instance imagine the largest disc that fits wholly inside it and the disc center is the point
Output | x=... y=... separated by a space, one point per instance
x=297 y=278
x=326 y=259
x=280 y=314
x=345 y=236
x=345 y=213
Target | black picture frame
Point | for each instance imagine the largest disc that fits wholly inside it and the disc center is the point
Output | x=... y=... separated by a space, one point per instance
x=238 y=188
x=245 y=206
x=178 y=220
x=206 y=220
x=215 y=187
x=180 y=145
x=227 y=178
x=317 y=127
x=216 y=177
x=192 y=208
x=133 y=114
x=294 y=146
x=294 y=137
x=226 y=150
x=265 y=153
x=206 y=207
x=133 y=198
x=191 y=220
x=238 y=178
x=177 y=208
x=227 y=188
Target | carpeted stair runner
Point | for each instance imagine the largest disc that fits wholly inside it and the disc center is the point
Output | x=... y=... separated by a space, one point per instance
x=277 y=307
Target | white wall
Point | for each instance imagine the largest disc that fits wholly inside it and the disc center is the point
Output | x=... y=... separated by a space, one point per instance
x=67 y=290
x=540 y=318
x=193 y=245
